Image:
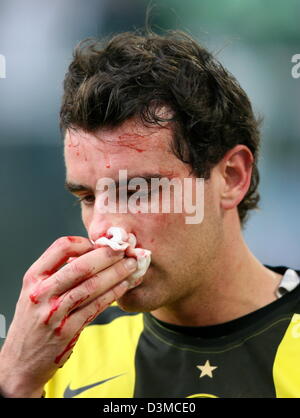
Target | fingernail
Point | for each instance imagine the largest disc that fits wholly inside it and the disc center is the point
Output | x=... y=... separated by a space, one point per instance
x=136 y=283
x=131 y=263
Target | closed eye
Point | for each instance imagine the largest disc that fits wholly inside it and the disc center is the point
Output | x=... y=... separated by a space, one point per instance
x=87 y=200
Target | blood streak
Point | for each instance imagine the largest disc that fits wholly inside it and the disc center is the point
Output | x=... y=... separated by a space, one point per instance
x=131 y=146
x=74 y=239
x=40 y=288
x=34 y=295
x=55 y=303
x=106 y=235
x=77 y=303
x=48 y=273
x=33 y=298
x=68 y=347
x=131 y=137
x=57 y=330
x=132 y=141
x=60 y=262
x=73 y=341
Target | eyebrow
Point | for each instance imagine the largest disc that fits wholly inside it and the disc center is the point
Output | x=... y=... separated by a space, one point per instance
x=77 y=188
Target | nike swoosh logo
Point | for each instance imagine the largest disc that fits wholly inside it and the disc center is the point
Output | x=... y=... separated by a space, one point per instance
x=70 y=393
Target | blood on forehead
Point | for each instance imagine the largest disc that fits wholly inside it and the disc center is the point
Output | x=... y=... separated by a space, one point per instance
x=130 y=137
x=136 y=137
x=130 y=132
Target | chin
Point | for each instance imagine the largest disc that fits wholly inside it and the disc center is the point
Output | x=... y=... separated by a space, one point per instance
x=138 y=299
x=132 y=300
x=147 y=296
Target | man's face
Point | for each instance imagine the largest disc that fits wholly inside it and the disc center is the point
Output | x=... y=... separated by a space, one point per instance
x=181 y=253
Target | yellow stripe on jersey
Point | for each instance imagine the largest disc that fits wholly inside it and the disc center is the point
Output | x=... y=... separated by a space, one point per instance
x=286 y=368
x=102 y=364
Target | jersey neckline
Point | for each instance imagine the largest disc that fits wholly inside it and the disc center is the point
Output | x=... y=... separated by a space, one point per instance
x=234 y=328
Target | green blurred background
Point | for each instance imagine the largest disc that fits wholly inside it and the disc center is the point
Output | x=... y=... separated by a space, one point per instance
x=254 y=39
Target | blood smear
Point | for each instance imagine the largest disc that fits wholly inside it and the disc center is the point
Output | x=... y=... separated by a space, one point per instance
x=74 y=239
x=33 y=298
x=57 y=330
x=55 y=303
x=75 y=338
x=68 y=348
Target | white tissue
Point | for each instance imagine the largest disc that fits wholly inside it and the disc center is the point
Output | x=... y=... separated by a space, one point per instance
x=120 y=240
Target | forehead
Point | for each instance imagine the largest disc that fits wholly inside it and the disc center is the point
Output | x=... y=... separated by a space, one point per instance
x=131 y=146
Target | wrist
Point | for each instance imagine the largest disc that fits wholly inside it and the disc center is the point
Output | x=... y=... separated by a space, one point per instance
x=14 y=384
x=14 y=387
x=20 y=391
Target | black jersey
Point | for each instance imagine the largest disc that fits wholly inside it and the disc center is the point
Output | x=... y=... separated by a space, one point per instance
x=134 y=355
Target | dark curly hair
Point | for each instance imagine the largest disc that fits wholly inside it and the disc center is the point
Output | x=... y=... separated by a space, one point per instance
x=135 y=74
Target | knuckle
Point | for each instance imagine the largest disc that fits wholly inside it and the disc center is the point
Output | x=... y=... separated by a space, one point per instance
x=98 y=305
x=56 y=280
x=75 y=296
x=28 y=278
x=31 y=275
x=63 y=243
x=37 y=293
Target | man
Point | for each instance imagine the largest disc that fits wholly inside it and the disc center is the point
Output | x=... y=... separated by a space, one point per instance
x=208 y=319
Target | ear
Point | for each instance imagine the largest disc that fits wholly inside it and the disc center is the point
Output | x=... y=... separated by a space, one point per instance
x=235 y=169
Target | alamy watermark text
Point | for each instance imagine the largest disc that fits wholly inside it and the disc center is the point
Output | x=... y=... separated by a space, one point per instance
x=2 y=66
x=151 y=195
x=296 y=68
x=2 y=326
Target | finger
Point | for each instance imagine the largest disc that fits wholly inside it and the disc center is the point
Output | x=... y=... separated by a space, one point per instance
x=56 y=255
x=102 y=283
x=78 y=320
x=84 y=267
x=102 y=302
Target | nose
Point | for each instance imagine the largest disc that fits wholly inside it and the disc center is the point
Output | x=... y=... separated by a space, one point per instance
x=100 y=222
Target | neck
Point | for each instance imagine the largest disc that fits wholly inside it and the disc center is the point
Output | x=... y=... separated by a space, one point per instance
x=228 y=289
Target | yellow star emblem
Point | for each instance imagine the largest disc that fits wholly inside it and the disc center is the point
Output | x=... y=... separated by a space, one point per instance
x=207 y=369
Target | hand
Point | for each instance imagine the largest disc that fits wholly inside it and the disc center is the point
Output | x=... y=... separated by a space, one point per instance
x=56 y=302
